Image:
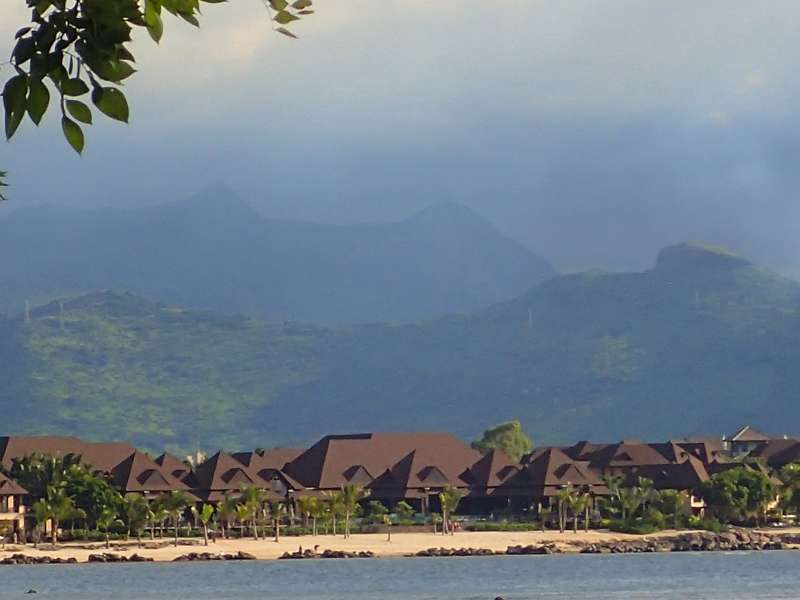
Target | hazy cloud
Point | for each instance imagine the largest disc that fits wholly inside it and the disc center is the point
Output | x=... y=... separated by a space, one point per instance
x=595 y=131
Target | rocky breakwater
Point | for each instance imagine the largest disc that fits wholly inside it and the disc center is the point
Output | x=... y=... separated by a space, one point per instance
x=437 y=552
x=700 y=541
x=110 y=557
x=202 y=556
x=23 y=559
x=532 y=549
x=302 y=554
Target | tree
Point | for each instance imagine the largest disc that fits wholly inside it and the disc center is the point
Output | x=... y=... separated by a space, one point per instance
x=404 y=511
x=76 y=48
x=175 y=503
x=137 y=511
x=507 y=437
x=253 y=499
x=674 y=504
x=106 y=520
x=242 y=515
x=566 y=498
x=61 y=508
x=630 y=500
x=376 y=511
x=305 y=506
x=41 y=512
x=91 y=493
x=351 y=495
x=37 y=472
x=226 y=511
x=738 y=494
x=277 y=511
x=449 y=498
x=317 y=511
x=204 y=516
x=334 y=507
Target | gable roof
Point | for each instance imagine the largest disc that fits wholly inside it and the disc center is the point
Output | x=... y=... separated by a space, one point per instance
x=554 y=469
x=748 y=434
x=9 y=487
x=140 y=473
x=394 y=459
x=101 y=456
x=778 y=453
x=685 y=475
x=493 y=468
x=625 y=454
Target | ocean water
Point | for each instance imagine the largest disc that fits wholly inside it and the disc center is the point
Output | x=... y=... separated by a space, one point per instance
x=761 y=575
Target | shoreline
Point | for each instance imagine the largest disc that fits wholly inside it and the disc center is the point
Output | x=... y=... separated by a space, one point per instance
x=375 y=545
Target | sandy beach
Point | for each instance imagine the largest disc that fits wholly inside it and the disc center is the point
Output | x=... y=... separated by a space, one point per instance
x=400 y=545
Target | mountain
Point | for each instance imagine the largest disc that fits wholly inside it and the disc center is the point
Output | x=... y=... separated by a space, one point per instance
x=214 y=252
x=700 y=343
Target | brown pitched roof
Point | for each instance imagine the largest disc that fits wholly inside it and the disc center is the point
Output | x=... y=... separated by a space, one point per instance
x=493 y=469
x=624 y=454
x=140 y=473
x=173 y=465
x=686 y=475
x=385 y=460
x=748 y=434
x=778 y=453
x=553 y=469
x=275 y=458
x=9 y=487
x=102 y=456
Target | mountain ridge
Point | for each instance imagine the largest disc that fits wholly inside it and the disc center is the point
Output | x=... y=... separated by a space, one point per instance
x=650 y=354
x=215 y=252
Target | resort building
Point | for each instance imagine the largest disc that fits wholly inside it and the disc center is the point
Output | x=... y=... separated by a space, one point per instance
x=413 y=467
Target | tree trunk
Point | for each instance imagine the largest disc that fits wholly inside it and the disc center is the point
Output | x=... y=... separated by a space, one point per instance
x=153 y=531
x=334 y=524
x=561 y=516
x=55 y=532
x=139 y=537
x=108 y=540
x=277 y=530
x=575 y=522
x=205 y=534
x=255 y=529
x=586 y=518
x=346 y=524
x=314 y=526
x=176 y=532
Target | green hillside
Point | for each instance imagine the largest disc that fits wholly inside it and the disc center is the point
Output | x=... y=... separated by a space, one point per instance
x=701 y=343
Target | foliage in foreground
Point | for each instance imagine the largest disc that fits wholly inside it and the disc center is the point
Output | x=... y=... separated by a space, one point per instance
x=78 y=50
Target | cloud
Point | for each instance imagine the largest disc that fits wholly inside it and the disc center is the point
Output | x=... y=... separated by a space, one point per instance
x=594 y=130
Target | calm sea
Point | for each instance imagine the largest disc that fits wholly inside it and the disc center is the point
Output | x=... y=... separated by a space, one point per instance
x=696 y=576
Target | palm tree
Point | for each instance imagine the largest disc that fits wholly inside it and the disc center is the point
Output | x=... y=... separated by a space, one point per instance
x=580 y=503
x=305 y=506
x=204 y=516
x=106 y=520
x=334 y=506
x=158 y=514
x=61 y=507
x=136 y=513
x=351 y=496
x=41 y=512
x=175 y=503
x=253 y=498
x=630 y=500
x=277 y=510
x=242 y=515
x=316 y=511
x=226 y=510
x=566 y=498
x=449 y=498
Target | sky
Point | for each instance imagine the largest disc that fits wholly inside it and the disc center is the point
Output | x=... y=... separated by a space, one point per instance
x=594 y=131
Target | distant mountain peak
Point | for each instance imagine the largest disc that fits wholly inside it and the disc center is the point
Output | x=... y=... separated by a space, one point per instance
x=216 y=201
x=694 y=255
x=448 y=212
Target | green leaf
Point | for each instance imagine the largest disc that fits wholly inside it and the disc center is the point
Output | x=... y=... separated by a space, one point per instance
x=301 y=4
x=111 y=102
x=73 y=133
x=284 y=17
x=38 y=100
x=286 y=32
x=278 y=4
x=14 y=102
x=152 y=17
x=74 y=87
x=79 y=111
x=114 y=70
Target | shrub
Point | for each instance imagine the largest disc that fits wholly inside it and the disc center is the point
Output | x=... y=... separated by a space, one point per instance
x=502 y=526
x=708 y=524
x=636 y=527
